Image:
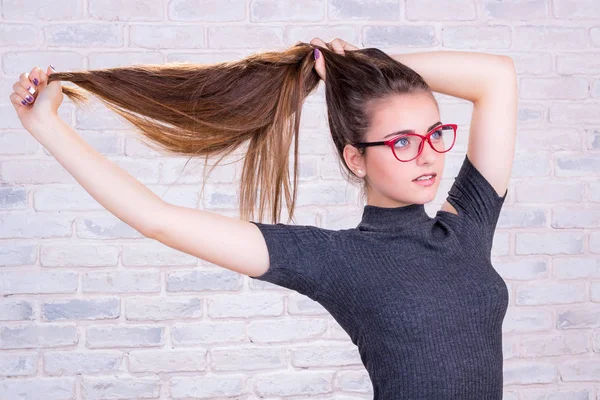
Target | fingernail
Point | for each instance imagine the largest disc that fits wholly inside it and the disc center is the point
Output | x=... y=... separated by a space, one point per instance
x=29 y=99
x=316 y=53
x=35 y=81
x=52 y=66
x=23 y=102
x=31 y=90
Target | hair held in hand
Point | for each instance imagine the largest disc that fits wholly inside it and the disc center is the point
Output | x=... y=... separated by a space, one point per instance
x=213 y=109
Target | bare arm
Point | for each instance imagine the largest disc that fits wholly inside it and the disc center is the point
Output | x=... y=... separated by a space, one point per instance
x=228 y=242
x=490 y=82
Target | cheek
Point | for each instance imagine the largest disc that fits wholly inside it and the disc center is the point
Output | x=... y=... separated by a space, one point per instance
x=387 y=171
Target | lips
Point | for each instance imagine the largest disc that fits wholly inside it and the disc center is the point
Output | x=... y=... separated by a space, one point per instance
x=432 y=174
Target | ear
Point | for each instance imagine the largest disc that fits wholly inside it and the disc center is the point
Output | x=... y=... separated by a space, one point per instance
x=355 y=160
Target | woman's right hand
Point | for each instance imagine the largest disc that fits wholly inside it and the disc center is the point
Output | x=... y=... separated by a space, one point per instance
x=35 y=100
x=338 y=45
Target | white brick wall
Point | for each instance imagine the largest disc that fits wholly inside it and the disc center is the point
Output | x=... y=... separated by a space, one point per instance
x=90 y=309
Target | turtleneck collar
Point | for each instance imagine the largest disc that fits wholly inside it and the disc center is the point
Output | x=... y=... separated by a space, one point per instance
x=377 y=218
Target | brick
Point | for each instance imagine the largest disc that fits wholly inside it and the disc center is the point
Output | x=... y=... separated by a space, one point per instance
x=122 y=281
x=328 y=355
x=549 y=243
x=87 y=34
x=522 y=320
x=529 y=372
x=35 y=172
x=522 y=217
x=16 y=253
x=322 y=30
x=52 y=388
x=111 y=59
x=14 y=143
x=18 y=364
x=568 y=88
x=14 y=62
x=554 y=191
x=207 y=10
x=132 y=10
x=201 y=279
x=515 y=10
x=124 y=336
x=286 y=330
x=16 y=309
x=166 y=37
x=554 y=344
x=287 y=10
x=576 y=217
x=200 y=333
x=569 y=113
x=154 y=254
x=549 y=38
x=42 y=10
x=578 y=317
x=583 y=267
x=577 y=165
x=523 y=268
x=354 y=382
x=20 y=35
x=38 y=336
x=13 y=198
x=79 y=255
x=577 y=64
x=297 y=383
x=170 y=360
x=206 y=386
x=379 y=10
x=81 y=362
x=126 y=387
x=437 y=10
x=224 y=306
x=543 y=293
x=40 y=282
x=247 y=359
x=586 y=370
x=398 y=36
x=104 y=227
x=581 y=9
x=162 y=308
x=81 y=309
x=232 y=37
x=471 y=37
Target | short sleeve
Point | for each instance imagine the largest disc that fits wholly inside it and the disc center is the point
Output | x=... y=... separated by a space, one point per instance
x=476 y=200
x=297 y=256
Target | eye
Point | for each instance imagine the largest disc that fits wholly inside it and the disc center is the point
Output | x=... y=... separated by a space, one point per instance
x=402 y=141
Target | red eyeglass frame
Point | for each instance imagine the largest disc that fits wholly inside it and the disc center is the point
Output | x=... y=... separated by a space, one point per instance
x=390 y=142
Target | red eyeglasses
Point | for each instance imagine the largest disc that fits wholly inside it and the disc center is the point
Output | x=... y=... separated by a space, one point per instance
x=408 y=146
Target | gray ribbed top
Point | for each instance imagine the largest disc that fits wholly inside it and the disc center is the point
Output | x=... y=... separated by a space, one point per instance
x=417 y=295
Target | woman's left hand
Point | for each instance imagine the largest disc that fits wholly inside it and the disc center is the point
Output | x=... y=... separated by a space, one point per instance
x=338 y=45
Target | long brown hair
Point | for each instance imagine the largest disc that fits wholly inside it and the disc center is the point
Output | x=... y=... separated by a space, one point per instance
x=213 y=109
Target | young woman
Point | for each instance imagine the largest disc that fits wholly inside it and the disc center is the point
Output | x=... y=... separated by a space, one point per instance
x=417 y=295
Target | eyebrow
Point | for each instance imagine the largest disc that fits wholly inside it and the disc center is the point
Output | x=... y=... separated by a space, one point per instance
x=411 y=130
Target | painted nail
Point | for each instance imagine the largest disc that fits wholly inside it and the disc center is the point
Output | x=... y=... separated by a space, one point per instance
x=31 y=90
x=35 y=81
x=23 y=102
x=29 y=99
x=52 y=66
x=316 y=53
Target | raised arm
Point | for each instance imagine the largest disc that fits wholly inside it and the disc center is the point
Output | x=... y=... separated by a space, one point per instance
x=228 y=242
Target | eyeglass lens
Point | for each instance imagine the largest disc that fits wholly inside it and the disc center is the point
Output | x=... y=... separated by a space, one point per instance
x=406 y=147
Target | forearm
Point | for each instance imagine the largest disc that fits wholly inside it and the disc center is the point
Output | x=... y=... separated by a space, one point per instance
x=114 y=188
x=466 y=75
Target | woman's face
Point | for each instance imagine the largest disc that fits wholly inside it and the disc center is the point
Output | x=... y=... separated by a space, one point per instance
x=391 y=182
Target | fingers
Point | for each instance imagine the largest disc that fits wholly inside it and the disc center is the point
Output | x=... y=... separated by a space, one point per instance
x=17 y=100
x=23 y=88
x=38 y=76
